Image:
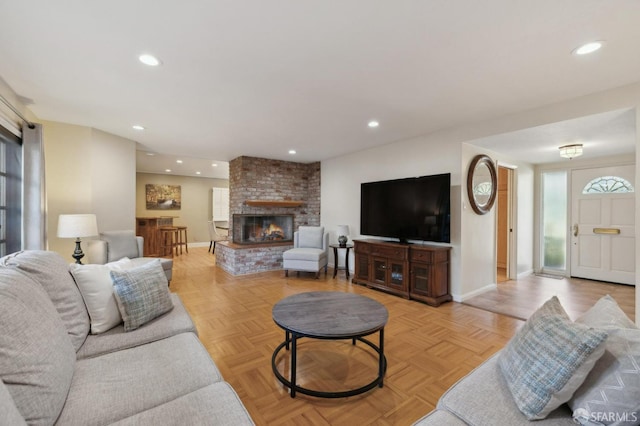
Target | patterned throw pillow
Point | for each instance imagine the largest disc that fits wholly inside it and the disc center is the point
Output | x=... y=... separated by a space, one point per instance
x=142 y=294
x=548 y=359
x=611 y=393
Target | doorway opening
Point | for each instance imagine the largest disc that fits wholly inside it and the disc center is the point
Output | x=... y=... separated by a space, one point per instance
x=505 y=210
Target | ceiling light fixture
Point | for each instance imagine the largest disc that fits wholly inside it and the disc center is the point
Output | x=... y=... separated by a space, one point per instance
x=197 y=173
x=214 y=165
x=587 y=48
x=179 y=161
x=150 y=60
x=150 y=154
x=138 y=127
x=373 y=124
x=292 y=151
x=571 y=151
x=168 y=170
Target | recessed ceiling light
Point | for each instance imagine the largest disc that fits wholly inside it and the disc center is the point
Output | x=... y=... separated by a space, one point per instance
x=292 y=151
x=373 y=124
x=198 y=173
x=138 y=127
x=214 y=165
x=168 y=170
x=587 y=48
x=150 y=60
x=150 y=154
x=179 y=161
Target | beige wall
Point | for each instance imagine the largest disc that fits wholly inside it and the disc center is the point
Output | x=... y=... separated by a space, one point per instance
x=196 y=202
x=87 y=171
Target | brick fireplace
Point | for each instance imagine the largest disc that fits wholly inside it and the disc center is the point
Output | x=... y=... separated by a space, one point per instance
x=262 y=228
x=261 y=187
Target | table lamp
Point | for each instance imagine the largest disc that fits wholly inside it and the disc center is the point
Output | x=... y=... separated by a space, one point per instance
x=343 y=231
x=77 y=226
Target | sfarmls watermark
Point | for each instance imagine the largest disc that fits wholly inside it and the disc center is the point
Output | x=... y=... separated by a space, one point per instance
x=582 y=416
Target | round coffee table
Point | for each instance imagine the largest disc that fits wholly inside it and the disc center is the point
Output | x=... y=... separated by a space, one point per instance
x=329 y=315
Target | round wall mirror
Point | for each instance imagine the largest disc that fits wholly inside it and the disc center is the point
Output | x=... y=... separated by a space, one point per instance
x=482 y=184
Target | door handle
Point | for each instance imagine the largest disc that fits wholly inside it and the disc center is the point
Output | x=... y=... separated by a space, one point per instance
x=575 y=230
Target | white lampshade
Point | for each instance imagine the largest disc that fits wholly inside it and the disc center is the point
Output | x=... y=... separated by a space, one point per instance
x=571 y=151
x=342 y=230
x=77 y=225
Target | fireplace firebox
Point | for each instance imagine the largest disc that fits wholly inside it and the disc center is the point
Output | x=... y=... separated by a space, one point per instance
x=262 y=228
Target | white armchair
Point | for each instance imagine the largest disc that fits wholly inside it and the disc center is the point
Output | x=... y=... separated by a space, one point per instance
x=114 y=245
x=310 y=251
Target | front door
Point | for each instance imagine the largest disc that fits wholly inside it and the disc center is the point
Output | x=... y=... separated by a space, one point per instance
x=603 y=224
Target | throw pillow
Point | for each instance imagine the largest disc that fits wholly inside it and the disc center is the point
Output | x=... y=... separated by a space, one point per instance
x=310 y=236
x=610 y=395
x=142 y=294
x=606 y=314
x=548 y=359
x=96 y=288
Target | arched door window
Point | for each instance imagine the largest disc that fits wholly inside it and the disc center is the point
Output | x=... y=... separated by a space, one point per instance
x=608 y=185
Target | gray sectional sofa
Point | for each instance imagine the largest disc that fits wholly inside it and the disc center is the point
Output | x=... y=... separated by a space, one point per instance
x=54 y=372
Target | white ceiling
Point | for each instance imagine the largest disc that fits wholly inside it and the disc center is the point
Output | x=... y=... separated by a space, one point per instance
x=258 y=78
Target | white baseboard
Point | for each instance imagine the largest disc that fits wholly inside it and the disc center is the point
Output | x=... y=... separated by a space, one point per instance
x=203 y=244
x=461 y=298
x=525 y=274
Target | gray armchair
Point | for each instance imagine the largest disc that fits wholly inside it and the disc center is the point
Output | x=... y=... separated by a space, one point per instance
x=114 y=245
x=309 y=252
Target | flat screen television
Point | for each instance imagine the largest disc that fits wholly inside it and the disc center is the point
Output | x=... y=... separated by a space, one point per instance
x=407 y=209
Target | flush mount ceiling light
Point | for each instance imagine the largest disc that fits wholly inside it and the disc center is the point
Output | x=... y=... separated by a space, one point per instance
x=138 y=127
x=373 y=124
x=168 y=170
x=214 y=165
x=150 y=154
x=198 y=173
x=179 y=161
x=292 y=151
x=587 y=48
x=571 y=151
x=150 y=60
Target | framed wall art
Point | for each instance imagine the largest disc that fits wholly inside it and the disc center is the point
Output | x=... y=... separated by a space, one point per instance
x=163 y=197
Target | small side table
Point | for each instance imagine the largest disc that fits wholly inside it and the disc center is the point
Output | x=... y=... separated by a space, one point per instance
x=335 y=248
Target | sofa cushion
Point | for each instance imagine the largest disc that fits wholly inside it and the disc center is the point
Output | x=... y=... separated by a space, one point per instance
x=611 y=392
x=120 y=244
x=142 y=294
x=173 y=322
x=37 y=357
x=308 y=254
x=51 y=271
x=10 y=414
x=483 y=398
x=310 y=236
x=548 y=359
x=216 y=404
x=96 y=287
x=118 y=385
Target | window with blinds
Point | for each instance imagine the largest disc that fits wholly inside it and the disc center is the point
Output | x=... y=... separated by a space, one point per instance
x=10 y=192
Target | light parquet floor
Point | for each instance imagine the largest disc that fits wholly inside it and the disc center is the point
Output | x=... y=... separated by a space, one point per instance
x=428 y=349
x=520 y=298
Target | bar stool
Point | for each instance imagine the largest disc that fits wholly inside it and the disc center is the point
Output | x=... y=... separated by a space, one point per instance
x=182 y=239
x=168 y=239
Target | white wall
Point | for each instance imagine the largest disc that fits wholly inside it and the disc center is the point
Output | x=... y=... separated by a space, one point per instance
x=87 y=171
x=341 y=178
x=441 y=152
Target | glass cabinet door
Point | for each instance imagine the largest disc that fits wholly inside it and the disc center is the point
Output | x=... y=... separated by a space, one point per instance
x=397 y=274
x=420 y=279
x=380 y=270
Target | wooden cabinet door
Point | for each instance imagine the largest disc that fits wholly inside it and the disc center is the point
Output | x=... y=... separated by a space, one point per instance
x=421 y=279
x=362 y=266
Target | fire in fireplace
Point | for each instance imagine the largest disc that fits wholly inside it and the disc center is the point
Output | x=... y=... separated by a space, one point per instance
x=262 y=229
